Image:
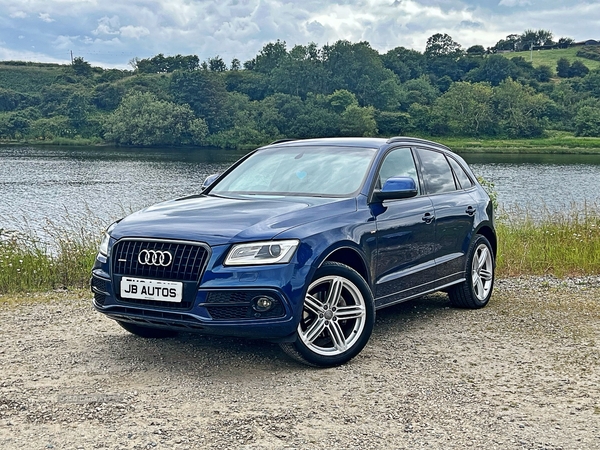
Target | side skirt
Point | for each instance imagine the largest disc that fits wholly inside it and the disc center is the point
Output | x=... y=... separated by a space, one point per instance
x=384 y=302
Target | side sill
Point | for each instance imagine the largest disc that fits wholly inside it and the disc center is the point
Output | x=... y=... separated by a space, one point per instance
x=420 y=294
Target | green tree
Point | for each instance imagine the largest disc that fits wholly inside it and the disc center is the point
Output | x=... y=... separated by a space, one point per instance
x=217 y=64
x=512 y=42
x=270 y=57
x=563 y=67
x=587 y=121
x=357 y=121
x=495 y=69
x=465 y=110
x=407 y=64
x=578 y=69
x=357 y=68
x=301 y=71
x=476 y=50
x=206 y=94
x=81 y=67
x=420 y=91
x=142 y=119
x=78 y=108
x=442 y=45
x=543 y=73
x=520 y=110
x=341 y=99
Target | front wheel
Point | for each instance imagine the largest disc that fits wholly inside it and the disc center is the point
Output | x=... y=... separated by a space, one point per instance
x=476 y=290
x=337 y=318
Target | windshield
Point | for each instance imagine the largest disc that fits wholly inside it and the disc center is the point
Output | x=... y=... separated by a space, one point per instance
x=311 y=171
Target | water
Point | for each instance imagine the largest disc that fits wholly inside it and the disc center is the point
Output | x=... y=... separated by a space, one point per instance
x=58 y=184
x=541 y=182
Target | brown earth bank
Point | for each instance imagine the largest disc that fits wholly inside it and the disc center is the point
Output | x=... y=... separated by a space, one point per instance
x=522 y=373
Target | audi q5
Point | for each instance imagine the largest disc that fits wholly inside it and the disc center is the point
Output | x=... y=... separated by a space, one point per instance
x=300 y=242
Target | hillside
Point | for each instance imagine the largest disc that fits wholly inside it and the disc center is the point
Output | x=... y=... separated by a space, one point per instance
x=550 y=57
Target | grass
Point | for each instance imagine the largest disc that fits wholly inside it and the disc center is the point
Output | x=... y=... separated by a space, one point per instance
x=61 y=259
x=561 y=244
x=558 y=142
x=550 y=57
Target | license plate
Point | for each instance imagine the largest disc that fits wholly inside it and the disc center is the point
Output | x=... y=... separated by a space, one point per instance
x=160 y=291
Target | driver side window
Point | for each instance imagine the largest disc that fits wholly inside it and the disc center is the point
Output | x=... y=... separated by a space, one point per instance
x=398 y=163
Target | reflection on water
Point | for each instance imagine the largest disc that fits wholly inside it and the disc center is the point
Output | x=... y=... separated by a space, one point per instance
x=40 y=183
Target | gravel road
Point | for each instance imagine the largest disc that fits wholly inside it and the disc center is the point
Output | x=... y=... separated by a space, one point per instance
x=522 y=373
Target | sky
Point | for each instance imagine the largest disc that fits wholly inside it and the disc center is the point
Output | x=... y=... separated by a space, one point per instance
x=110 y=33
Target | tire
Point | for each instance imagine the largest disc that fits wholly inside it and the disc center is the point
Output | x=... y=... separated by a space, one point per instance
x=147 y=332
x=476 y=290
x=337 y=318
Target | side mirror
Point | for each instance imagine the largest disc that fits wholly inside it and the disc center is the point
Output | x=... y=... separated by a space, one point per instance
x=209 y=180
x=397 y=187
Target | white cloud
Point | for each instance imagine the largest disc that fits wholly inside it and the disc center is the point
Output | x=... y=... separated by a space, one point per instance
x=46 y=17
x=18 y=15
x=107 y=25
x=511 y=3
x=65 y=42
x=8 y=54
x=131 y=31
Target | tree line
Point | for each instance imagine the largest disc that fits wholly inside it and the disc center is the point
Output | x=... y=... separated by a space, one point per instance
x=342 y=89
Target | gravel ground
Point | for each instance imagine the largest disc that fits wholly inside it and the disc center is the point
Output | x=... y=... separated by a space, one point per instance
x=522 y=373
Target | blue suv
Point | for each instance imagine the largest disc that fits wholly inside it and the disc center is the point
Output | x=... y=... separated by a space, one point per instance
x=300 y=242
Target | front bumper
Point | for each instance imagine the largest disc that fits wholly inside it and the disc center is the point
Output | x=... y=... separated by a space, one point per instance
x=220 y=303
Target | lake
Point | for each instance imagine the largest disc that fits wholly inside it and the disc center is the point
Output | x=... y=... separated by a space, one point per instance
x=40 y=184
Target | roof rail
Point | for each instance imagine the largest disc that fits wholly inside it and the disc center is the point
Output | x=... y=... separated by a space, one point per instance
x=279 y=141
x=415 y=140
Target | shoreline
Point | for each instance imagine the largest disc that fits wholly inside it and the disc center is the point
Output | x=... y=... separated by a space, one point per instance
x=556 y=143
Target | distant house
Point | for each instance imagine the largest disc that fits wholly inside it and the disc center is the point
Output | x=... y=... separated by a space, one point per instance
x=588 y=42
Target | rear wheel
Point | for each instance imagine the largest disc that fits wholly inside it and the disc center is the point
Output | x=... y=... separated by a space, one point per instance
x=476 y=290
x=337 y=318
x=147 y=332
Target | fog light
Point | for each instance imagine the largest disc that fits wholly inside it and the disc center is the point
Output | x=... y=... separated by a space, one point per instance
x=262 y=303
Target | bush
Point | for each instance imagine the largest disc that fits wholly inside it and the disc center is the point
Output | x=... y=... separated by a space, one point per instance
x=587 y=122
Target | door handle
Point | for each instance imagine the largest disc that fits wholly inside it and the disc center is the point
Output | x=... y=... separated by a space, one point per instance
x=428 y=217
x=470 y=210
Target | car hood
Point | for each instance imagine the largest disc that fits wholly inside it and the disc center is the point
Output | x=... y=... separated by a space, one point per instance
x=222 y=220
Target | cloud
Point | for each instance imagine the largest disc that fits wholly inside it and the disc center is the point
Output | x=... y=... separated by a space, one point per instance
x=18 y=15
x=107 y=25
x=65 y=42
x=511 y=3
x=130 y=31
x=46 y=17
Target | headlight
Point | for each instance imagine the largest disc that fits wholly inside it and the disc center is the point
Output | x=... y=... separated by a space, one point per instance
x=103 y=249
x=270 y=252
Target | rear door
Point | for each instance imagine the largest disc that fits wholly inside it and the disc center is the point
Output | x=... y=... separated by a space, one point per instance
x=454 y=210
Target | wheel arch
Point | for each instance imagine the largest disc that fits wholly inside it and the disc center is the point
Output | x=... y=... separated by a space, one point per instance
x=351 y=258
x=489 y=234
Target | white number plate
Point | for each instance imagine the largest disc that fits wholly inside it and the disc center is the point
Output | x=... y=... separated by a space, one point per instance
x=160 y=291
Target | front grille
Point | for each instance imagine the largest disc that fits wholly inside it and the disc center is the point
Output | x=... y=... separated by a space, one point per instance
x=187 y=265
x=237 y=305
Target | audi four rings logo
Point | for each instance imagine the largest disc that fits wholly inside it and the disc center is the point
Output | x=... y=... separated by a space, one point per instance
x=155 y=258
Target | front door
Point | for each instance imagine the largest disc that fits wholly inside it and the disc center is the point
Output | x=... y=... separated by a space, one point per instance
x=405 y=236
